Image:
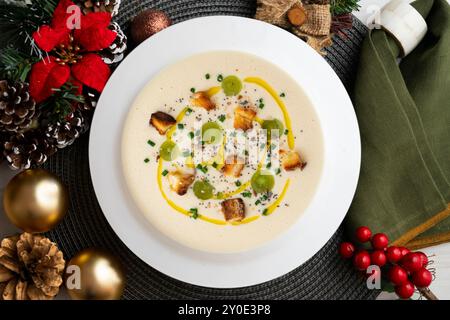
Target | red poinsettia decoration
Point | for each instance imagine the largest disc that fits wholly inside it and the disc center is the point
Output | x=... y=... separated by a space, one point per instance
x=72 y=51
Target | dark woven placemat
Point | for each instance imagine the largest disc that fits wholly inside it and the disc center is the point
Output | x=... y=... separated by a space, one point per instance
x=325 y=276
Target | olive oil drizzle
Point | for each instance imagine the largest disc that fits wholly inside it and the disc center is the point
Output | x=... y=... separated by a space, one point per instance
x=287 y=120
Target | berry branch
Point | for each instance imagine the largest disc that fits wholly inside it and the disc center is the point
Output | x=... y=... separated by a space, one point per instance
x=404 y=269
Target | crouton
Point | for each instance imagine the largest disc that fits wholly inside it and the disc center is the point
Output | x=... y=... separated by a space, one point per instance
x=233 y=166
x=233 y=209
x=291 y=160
x=243 y=118
x=162 y=121
x=180 y=181
x=202 y=100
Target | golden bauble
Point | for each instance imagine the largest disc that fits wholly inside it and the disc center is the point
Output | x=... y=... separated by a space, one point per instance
x=101 y=276
x=147 y=23
x=35 y=200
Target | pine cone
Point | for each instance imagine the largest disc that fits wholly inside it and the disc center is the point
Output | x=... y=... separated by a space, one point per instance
x=31 y=267
x=17 y=107
x=22 y=150
x=88 y=6
x=64 y=133
x=116 y=51
x=91 y=97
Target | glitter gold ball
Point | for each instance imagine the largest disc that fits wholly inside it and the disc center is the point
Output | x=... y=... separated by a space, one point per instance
x=147 y=23
x=35 y=200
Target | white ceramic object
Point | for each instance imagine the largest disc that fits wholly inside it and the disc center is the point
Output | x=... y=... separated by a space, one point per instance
x=404 y=23
x=341 y=155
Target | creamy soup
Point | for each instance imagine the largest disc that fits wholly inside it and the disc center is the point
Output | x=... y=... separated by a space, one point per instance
x=222 y=151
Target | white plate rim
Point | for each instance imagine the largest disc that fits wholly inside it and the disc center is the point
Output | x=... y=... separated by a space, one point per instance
x=335 y=191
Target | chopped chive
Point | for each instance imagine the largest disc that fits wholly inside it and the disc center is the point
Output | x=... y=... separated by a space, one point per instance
x=165 y=172
x=151 y=143
x=278 y=171
x=282 y=95
x=188 y=111
x=203 y=169
x=286 y=131
x=194 y=213
x=146 y=160
x=180 y=126
x=222 y=118
x=191 y=135
x=207 y=76
x=268 y=165
x=264 y=197
x=193 y=90
x=246 y=194
x=220 y=78
x=265 y=212
x=257 y=202
x=246 y=152
x=215 y=165
x=238 y=183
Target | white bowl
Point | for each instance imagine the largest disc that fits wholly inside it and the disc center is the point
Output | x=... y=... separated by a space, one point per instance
x=341 y=155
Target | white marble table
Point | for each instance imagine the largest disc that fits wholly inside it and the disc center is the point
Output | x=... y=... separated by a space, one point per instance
x=441 y=253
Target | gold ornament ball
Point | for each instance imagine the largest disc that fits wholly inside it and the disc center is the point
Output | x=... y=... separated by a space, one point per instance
x=35 y=200
x=147 y=23
x=101 y=276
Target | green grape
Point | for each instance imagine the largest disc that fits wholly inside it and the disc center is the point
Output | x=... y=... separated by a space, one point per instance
x=212 y=133
x=203 y=190
x=274 y=124
x=231 y=85
x=169 y=150
x=262 y=181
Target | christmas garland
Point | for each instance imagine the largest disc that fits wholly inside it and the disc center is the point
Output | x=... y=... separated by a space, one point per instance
x=57 y=55
x=55 y=60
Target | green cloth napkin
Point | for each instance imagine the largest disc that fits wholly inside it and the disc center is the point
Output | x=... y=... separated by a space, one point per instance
x=404 y=117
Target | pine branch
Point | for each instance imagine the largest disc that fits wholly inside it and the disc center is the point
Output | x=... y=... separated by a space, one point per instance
x=339 y=7
x=19 y=19
x=62 y=102
x=15 y=65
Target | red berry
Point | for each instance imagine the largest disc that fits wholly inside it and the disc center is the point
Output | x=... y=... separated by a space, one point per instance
x=405 y=251
x=411 y=262
x=398 y=275
x=361 y=260
x=346 y=250
x=424 y=258
x=394 y=254
x=380 y=241
x=405 y=291
x=378 y=257
x=363 y=234
x=422 y=278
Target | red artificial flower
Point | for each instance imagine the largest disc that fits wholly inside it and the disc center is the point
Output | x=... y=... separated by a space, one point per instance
x=72 y=52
